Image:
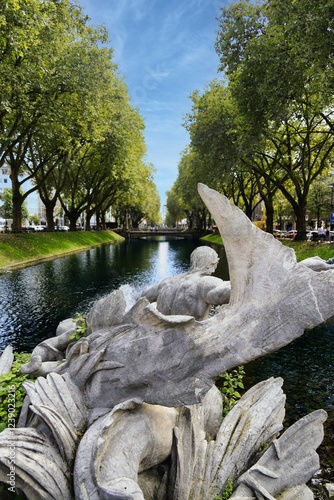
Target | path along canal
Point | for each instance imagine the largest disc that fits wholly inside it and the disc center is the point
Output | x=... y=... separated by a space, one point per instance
x=35 y=299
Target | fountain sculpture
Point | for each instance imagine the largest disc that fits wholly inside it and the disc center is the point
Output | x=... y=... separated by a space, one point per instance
x=131 y=411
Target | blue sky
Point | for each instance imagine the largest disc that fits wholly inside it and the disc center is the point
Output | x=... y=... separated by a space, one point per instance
x=164 y=50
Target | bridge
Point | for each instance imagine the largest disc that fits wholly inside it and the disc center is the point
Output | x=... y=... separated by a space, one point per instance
x=178 y=233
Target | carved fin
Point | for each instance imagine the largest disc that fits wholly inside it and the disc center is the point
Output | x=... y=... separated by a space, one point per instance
x=60 y=395
x=249 y=273
x=266 y=267
x=63 y=434
x=39 y=470
x=295 y=465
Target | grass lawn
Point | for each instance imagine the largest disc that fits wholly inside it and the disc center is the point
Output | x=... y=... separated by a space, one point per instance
x=20 y=249
x=303 y=249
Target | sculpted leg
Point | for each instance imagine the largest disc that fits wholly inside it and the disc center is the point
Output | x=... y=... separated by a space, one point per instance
x=122 y=444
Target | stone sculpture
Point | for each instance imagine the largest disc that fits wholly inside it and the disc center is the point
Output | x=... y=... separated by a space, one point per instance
x=318 y=264
x=132 y=411
x=194 y=292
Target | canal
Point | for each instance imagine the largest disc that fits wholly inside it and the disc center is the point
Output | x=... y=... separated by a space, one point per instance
x=35 y=299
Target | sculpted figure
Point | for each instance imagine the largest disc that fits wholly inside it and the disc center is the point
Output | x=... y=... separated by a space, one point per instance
x=78 y=434
x=49 y=354
x=194 y=292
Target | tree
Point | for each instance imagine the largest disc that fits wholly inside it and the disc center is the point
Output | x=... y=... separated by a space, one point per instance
x=6 y=208
x=140 y=201
x=220 y=139
x=175 y=210
x=272 y=51
x=42 y=43
x=190 y=172
x=320 y=200
x=278 y=83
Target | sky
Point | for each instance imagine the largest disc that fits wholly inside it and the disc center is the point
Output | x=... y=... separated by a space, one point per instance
x=164 y=50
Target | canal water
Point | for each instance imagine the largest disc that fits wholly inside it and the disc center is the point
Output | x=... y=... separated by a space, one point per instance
x=35 y=299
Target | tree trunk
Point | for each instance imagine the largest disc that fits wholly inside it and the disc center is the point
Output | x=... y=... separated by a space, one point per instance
x=301 y=222
x=103 y=220
x=49 y=209
x=73 y=221
x=17 y=205
x=89 y=214
x=87 y=222
x=270 y=218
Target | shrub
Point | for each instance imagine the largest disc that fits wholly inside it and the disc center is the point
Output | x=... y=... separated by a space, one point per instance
x=229 y=385
x=12 y=393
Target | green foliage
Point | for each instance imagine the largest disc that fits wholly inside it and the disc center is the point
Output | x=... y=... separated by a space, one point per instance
x=305 y=249
x=81 y=326
x=227 y=492
x=12 y=393
x=183 y=199
x=230 y=383
x=6 y=209
x=141 y=200
x=266 y=127
x=66 y=120
x=263 y=446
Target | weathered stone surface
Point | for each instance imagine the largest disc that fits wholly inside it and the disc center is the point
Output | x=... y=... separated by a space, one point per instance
x=253 y=423
x=316 y=263
x=288 y=462
x=38 y=468
x=105 y=389
x=195 y=431
x=301 y=492
x=48 y=355
x=6 y=360
x=194 y=292
x=66 y=326
x=273 y=300
x=204 y=466
x=330 y=488
x=106 y=312
x=140 y=436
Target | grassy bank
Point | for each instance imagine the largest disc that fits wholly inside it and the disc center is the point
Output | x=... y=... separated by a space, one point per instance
x=303 y=249
x=22 y=249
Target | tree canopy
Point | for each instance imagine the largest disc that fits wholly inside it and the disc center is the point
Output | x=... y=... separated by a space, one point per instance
x=266 y=127
x=67 y=127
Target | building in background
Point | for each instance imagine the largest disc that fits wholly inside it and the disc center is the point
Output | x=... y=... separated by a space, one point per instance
x=5 y=181
x=33 y=201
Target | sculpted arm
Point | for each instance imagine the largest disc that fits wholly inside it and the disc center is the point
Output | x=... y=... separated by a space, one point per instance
x=216 y=291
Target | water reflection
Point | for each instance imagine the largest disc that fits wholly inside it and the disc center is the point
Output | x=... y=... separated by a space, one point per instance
x=35 y=299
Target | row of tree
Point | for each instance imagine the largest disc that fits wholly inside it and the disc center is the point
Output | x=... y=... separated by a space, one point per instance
x=67 y=127
x=264 y=132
